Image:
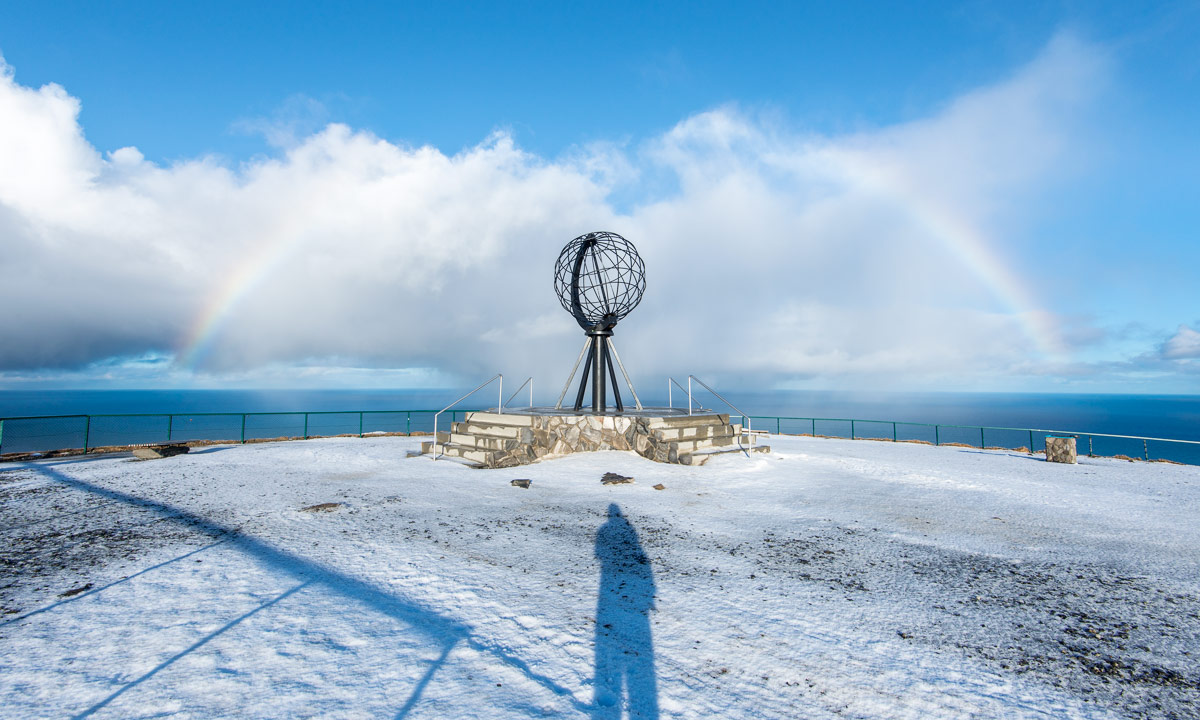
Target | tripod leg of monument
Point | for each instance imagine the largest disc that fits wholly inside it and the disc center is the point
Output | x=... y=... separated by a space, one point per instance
x=612 y=376
x=598 y=404
x=616 y=356
x=575 y=369
x=584 y=380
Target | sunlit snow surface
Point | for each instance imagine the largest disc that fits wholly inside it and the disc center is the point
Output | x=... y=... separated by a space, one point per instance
x=830 y=578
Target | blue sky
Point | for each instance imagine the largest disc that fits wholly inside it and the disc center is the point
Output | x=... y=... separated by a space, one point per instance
x=991 y=195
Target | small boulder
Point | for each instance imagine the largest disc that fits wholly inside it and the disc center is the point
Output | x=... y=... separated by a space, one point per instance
x=660 y=486
x=159 y=451
x=322 y=507
x=75 y=591
x=612 y=478
x=522 y=483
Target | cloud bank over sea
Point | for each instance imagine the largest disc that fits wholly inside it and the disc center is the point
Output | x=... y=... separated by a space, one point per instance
x=883 y=256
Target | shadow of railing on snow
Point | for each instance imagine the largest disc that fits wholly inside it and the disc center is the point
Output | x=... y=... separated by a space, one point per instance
x=444 y=632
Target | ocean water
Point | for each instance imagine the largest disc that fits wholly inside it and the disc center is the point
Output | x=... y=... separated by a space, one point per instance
x=1156 y=416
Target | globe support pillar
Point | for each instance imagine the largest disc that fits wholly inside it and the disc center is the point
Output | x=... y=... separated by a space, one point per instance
x=599 y=369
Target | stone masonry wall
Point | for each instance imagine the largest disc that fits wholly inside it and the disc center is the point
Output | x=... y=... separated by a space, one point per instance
x=657 y=439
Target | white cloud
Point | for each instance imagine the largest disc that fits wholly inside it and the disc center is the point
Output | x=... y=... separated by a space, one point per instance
x=298 y=117
x=775 y=256
x=1184 y=344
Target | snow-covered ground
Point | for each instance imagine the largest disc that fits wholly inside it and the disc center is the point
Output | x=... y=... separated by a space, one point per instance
x=829 y=578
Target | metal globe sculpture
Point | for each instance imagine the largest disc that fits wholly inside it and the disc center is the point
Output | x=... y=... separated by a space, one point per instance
x=599 y=278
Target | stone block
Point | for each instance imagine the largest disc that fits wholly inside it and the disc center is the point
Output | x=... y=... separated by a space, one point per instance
x=1060 y=449
x=591 y=436
x=507 y=461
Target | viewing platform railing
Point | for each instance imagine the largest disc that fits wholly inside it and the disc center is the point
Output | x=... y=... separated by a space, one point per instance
x=92 y=433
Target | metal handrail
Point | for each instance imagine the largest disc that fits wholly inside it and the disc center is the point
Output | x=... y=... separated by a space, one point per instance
x=499 y=410
x=529 y=382
x=747 y=418
x=670 y=399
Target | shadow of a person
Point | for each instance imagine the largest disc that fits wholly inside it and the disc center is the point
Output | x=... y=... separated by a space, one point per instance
x=624 y=648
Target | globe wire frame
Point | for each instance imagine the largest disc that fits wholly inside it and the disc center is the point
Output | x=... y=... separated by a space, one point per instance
x=599 y=278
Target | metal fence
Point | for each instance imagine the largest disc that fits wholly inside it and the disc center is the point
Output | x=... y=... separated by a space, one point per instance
x=90 y=432
x=984 y=437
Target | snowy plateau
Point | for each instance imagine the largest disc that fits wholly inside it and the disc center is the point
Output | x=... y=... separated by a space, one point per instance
x=349 y=578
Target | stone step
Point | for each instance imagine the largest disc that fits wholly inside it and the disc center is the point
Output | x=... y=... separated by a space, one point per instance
x=471 y=427
x=684 y=447
x=687 y=421
x=506 y=419
x=693 y=432
x=475 y=455
x=484 y=442
x=703 y=456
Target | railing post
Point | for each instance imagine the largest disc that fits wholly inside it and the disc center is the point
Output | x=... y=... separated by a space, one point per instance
x=689 y=394
x=852 y=430
x=1031 y=442
x=408 y=424
x=1089 y=445
x=87 y=434
x=243 y=428
x=305 y=426
x=1146 y=449
x=500 y=400
x=1 y=437
x=981 y=446
x=777 y=432
x=893 y=432
x=670 y=400
x=814 y=429
x=937 y=439
x=170 y=426
x=360 y=415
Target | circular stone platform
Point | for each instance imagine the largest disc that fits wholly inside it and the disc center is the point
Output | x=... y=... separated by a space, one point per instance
x=517 y=437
